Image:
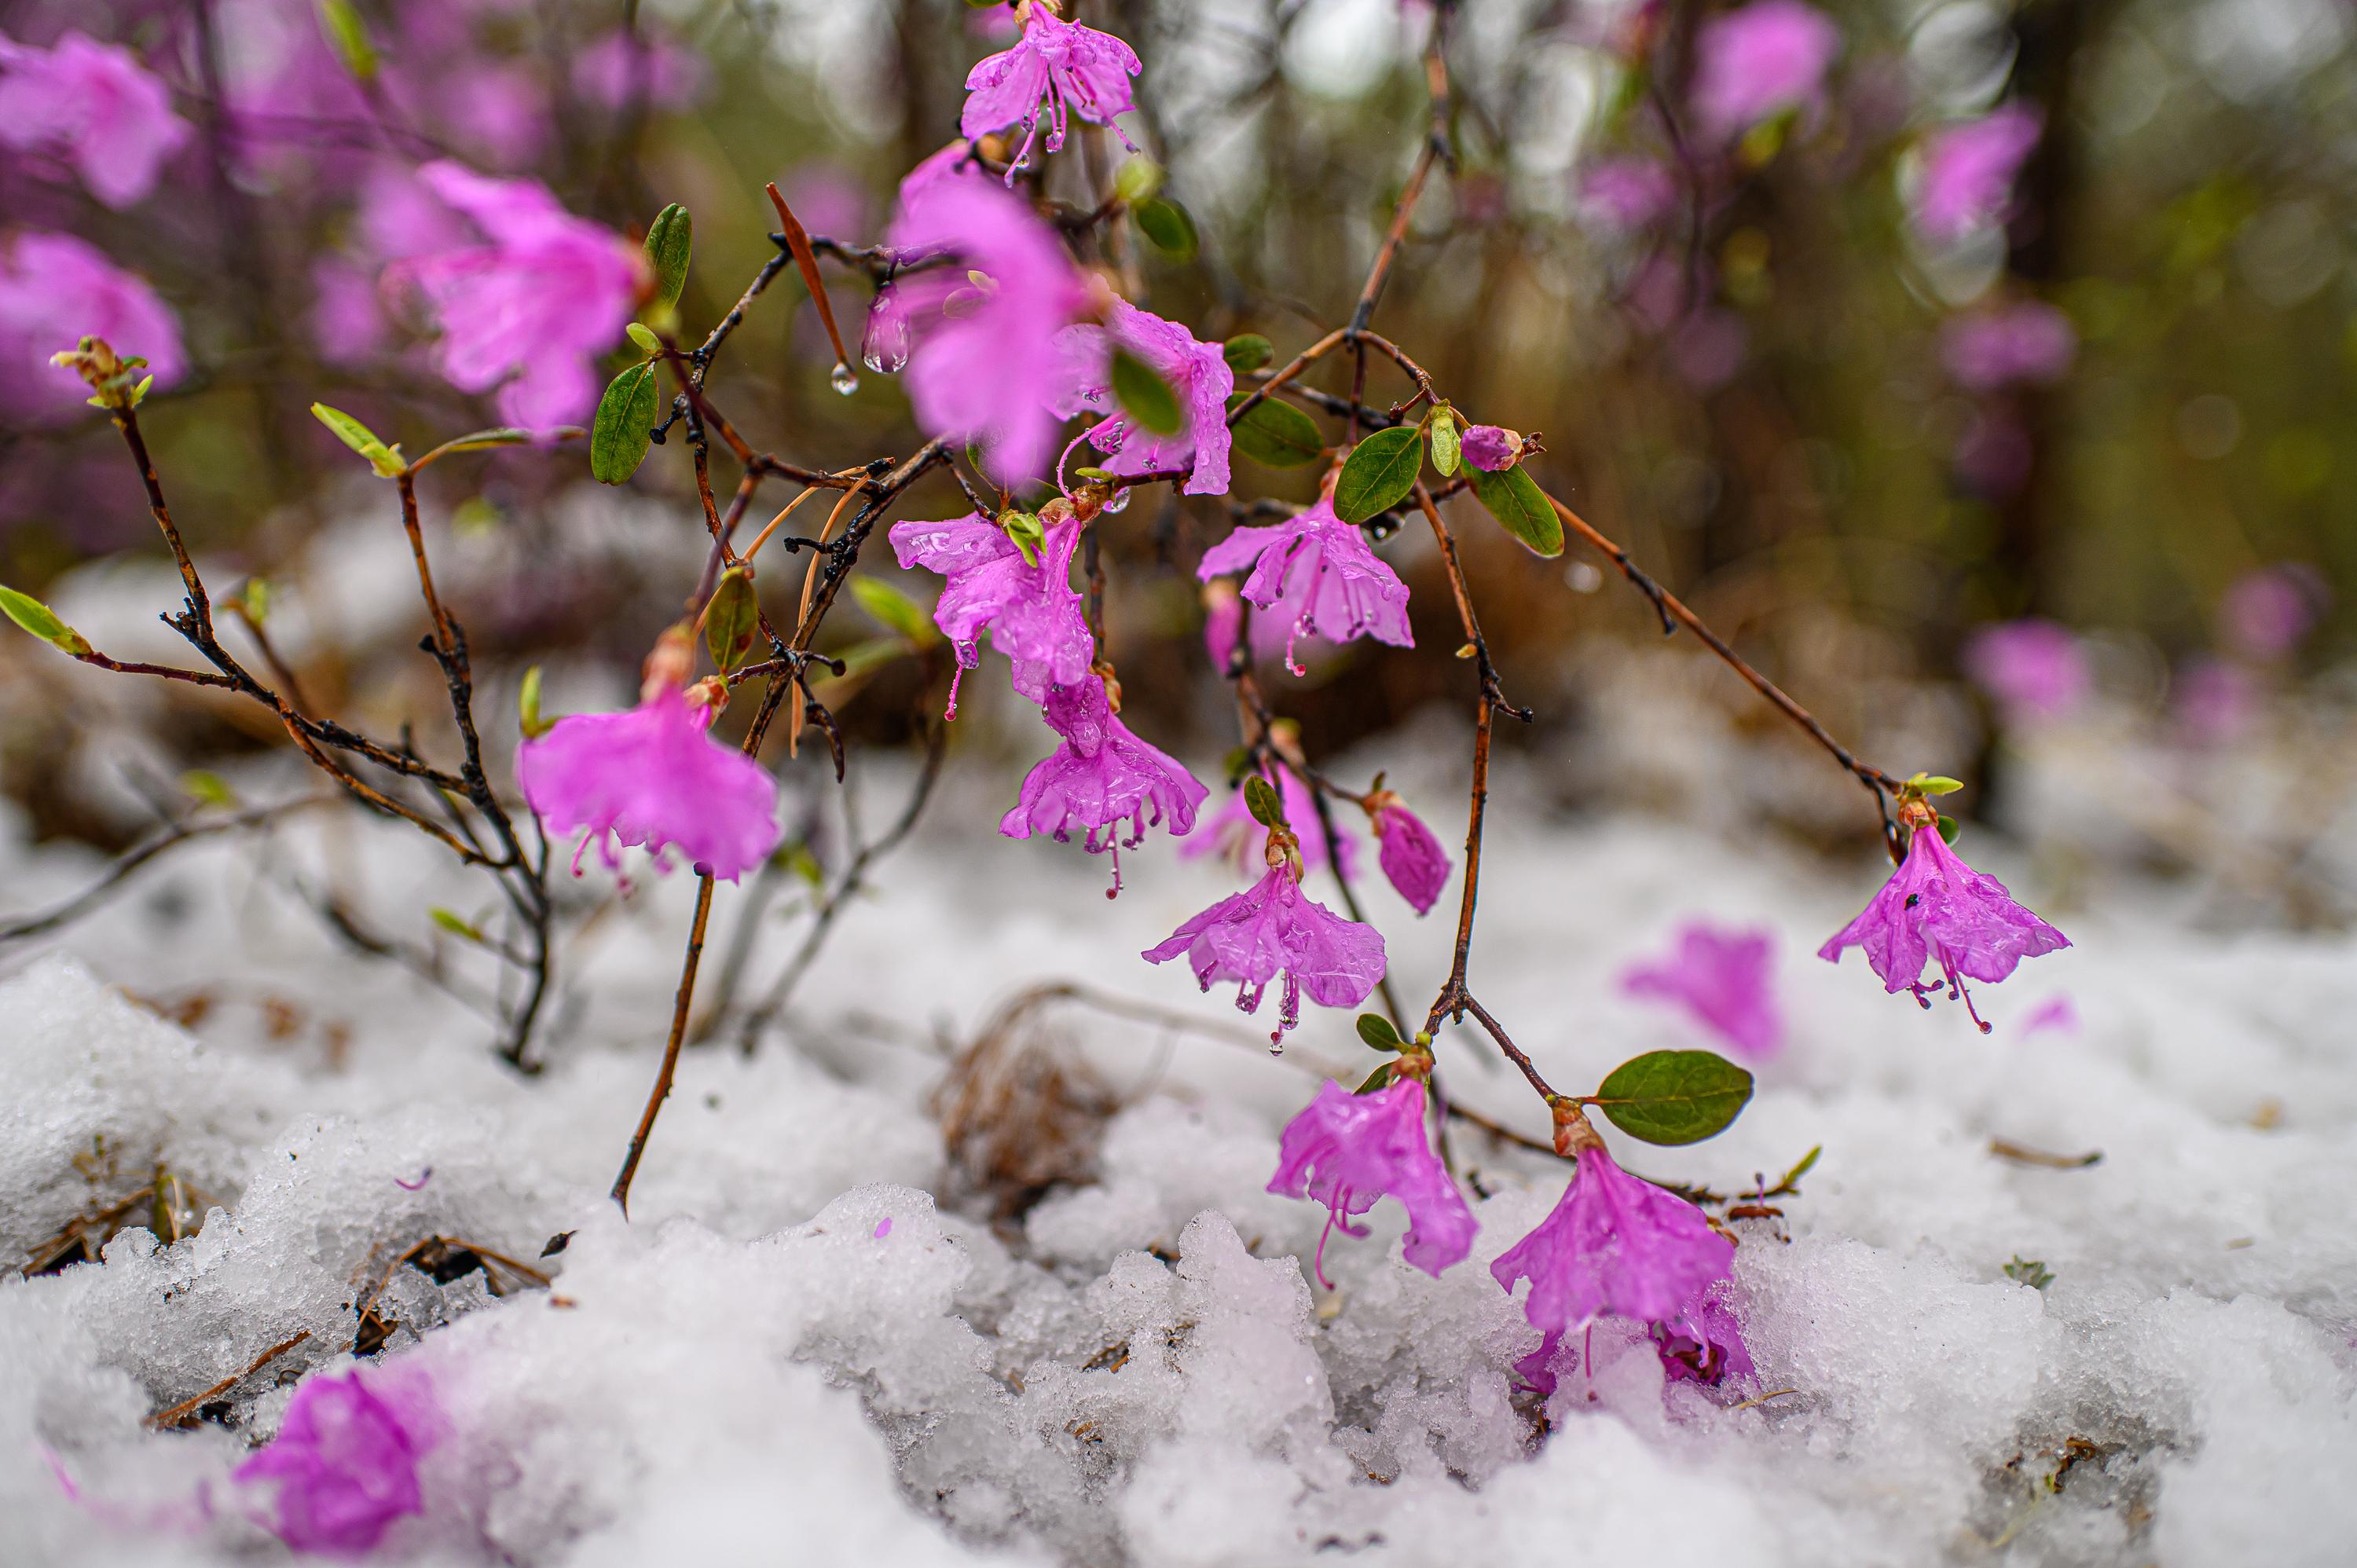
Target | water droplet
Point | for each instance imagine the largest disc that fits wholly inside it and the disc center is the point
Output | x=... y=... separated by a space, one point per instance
x=1120 y=500
x=844 y=378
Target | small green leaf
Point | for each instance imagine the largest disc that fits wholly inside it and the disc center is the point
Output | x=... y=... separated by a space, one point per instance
x=1514 y=498
x=802 y=863
x=1444 y=441
x=1166 y=223
x=458 y=925
x=1377 y=1031
x=1246 y=352
x=1277 y=434
x=1379 y=1079
x=1949 y=829
x=385 y=461
x=528 y=717
x=1674 y=1097
x=348 y=35
x=895 y=609
x=1137 y=180
x=1145 y=396
x=1808 y=1163
x=1261 y=800
x=644 y=337
x=254 y=600
x=207 y=788
x=1936 y=784
x=42 y=622
x=2031 y=1272
x=1094 y=476
x=1025 y=531
x=732 y=619
x=1379 y=473
x=670 y=240
x=624 y=428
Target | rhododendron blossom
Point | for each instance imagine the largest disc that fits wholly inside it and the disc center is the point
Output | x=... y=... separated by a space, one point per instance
x=56 y=290
x=1072 y=69
x=527 y=310
x=2024 y=341
x=1613 y=1243
x=1317 y=573
x=652 y=776
x=2034 y=669
x=1032 y=614
x=94 y=105
x=1232 y=833
x=2266 y=614
x=1347 y=1150
x=1968 y=171
x=1760 y=60
x=1101 y=777
x=1937 y=909
x=620 y=69
x=344 y=1463
x=1720 y=978
x=1412 y=858
x=1491 y=448
x=1270 y=929
x=1197 y=372
x=1703 y=1343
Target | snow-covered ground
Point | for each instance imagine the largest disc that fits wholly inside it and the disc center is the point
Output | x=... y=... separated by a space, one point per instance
x=1139 y=1368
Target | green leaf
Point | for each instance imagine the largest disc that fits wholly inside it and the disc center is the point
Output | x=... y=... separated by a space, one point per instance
x=670 y=238
x=2031 y=1272
x=1379 y=1079
x=732 y=620
x=1936 y=784
x=1808 y=1163
x=1167 y=225
x=42 y=622
x=644 y=337
x=1246 y=352
x=1137 y=180
x=348 y=35
x=1277 y=434
x=1145 y=396
x=385 y=461
x=1444 y=441
x=624 y=428
x=1025 y=531
x=1377 y=1031
x=1674 y=1097
x=1514 y=498
x=1379 y=473
x=895 y=609
x=207 y=788
x=1261 y=800
x=1949 y=829
x=458 y=925
x=528 y=717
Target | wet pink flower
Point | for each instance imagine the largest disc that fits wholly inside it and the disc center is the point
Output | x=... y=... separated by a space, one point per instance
x=1231 y=833
x=2024 y=341
x=1223 y=620
x=1721 y=977
x=527 y=310
x=2216 y=701
x=1197 y=372
x=1347 y=1150
x=1269 y=929
x=1936 y=909
x=652 y=776
x=1074 y=70
x=1317 y=571
x=1032 y=614
x=2267 y=613
x=1411 y=857
x=1968 y=171
x=1613 y=1243
x=984 y=366
x=1489 y=447
x=618 y=70
x=1101 y=777
x=344 y=1460
x=94 y=105
x=2034 y=669
x=56 y=290
x=1704 y=1343
x=1758 y=61
x=1626 y=192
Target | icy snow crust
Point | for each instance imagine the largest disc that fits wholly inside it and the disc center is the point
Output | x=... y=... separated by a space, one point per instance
x=1139 y=1370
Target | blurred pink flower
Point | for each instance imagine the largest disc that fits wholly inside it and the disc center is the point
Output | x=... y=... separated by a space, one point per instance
x=1225 y=616
x=953 y=162
x=348 y=324
x=1347 y=1151
x=499 y=111
x=1317 y=572
x=94 y=105
x=1993 y=452
x=1627 y=191
x=344 y=1460
x=1412 y=858
x=54 y=290
x=618 y=68
x=1099 y=777
x=1613 y=1243
x=1197 y=372
x=1709 y=348
x=827 y=197
x=1723 y=979
x=529 y=310
x=1758 y=61
x=2267 y=613
x=1231 y=833
x=1271 y=930
x=2057 y=1013
x=2024 y=341
x=2033 y=669
x=1968 y=171
x=1070 y=68
x=2216 y=703
x=1030 y=610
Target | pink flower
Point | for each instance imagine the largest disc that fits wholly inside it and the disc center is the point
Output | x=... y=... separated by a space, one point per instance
x=56 y=290
x=1100 y=777
x=2057 y=1013
x=1491 y=448
x=1411 y=857
x=348 y=322
x=1937 y=909
x=499 y=110
x=618 y=70
x=1626 y=192
x=1223 y=620
x=1704 y=1343
x=1968 y=171
x=1033 y=615
x=1232 y=833
x=1197 y=372
x=1317 y=573
x=2216 y=701
x=1721 y=978
x=529 y=310
x=984 y=366
x=2027 y=341
x=94 y=105
x=1072 y=68
x=2267 y=613
x=344 y=1460
x=2034 y=669
x=1755 y=62
x=1613 y=1243
x=953 y=162
x=652 y=776
x=1347 y=1150
x=1252 y=936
